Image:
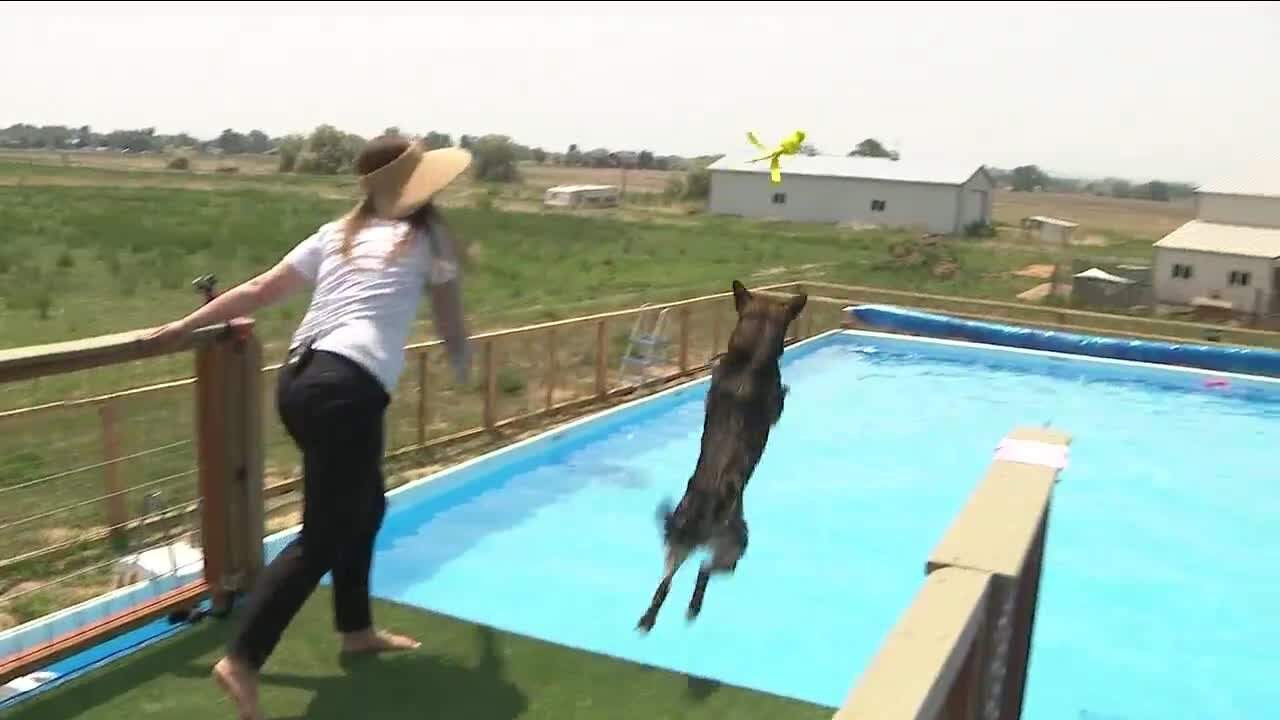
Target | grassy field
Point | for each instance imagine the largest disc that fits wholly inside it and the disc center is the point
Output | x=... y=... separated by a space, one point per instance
x=106 y=244
x=463 y=671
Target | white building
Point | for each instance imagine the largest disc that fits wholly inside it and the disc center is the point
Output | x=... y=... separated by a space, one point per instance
x=574 y=196
x=874 y=191
x=1230 y=252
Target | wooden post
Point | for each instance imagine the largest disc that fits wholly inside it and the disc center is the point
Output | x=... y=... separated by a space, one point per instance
x=552 y=367
x=684 y=338
x=490 y=387
x=230 y=461
x=214 y=469
x=423 y=409
x=252 y=525
x=717 y=317
x=117 y=507
x=602 y=367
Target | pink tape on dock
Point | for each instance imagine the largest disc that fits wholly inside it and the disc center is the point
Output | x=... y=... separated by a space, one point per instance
x=1032 y=452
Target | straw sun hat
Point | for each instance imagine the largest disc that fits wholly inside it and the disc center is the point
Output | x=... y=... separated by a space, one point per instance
x=408 y=182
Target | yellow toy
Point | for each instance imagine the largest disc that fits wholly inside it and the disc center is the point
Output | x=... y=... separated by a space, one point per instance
x=789 y=146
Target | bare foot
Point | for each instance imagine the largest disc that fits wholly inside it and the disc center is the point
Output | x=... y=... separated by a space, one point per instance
x=240 y=683
x=379 y=641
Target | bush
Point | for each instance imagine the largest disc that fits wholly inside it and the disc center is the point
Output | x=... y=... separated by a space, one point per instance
x=510 y=382
x=228 y=169
x=697 y=184
x=182 y=162
x=494 y=159
x=977 y=228
x=65 y=261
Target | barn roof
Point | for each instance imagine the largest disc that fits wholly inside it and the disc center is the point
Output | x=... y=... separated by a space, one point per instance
x=865 y=168
x=1224 y=239
x=1261 y=179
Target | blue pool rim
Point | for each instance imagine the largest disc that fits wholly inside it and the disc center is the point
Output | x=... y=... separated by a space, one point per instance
x=600 y=422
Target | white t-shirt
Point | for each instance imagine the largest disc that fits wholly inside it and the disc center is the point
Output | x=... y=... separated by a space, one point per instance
x=363 y=307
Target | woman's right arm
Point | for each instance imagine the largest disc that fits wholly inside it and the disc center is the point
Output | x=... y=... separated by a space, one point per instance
x=446 y=311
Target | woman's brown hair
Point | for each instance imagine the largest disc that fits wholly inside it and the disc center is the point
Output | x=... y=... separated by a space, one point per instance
x=379 y=152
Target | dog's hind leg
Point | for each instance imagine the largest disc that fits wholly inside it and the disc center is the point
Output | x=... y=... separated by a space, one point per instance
x=675 y=558
x=727 y=550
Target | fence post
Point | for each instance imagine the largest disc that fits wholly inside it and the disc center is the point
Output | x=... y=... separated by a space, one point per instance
x=423 y=411
x=490 y=387
x=716 y=319
x=552 y=369
x=684 y=338
x=230 y=460
x=601 y=364
x=117 y=507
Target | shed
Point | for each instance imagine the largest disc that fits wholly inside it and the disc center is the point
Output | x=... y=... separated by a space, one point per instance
x=575 y=196
x=937 y=197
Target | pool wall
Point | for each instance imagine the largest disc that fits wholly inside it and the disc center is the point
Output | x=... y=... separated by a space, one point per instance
x=1221 y=358
x=962 y=647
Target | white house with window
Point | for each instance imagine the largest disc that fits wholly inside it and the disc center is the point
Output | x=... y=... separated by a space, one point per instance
x=933 y=197
x=1228 y=255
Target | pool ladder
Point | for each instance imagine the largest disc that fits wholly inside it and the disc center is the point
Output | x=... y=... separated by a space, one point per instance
x=646 y=346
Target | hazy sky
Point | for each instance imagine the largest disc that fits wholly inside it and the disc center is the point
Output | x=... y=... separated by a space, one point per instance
x=1178 y=91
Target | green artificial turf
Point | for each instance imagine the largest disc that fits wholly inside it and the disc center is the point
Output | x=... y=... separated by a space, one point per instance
x=463 y=672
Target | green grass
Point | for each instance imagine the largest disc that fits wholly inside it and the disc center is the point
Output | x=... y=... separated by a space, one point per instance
x=465 y=671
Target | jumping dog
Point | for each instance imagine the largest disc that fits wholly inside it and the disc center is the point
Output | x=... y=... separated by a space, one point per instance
x=743 y=404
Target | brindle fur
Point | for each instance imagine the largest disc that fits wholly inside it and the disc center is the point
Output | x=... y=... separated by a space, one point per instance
x=743 y=404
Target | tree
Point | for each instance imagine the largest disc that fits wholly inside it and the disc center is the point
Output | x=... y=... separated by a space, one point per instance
x=290 y=148
x=809 y=149
x=257 y=142
x=1158 y=191
x=494 y=159
x=1028 y=178
x=573 y=156
x=645 y=160
x=1122 y=189
x=466 y=141
x=697 y=184
x=871 y=147
x=329 y=151
x=435 y=140
x=393 y=130
x=539 y=155
x=231 y=142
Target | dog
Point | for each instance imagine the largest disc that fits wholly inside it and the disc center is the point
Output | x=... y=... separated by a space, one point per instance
x=743 y=404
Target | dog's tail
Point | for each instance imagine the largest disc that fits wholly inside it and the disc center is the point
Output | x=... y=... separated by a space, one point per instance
x=666 y=511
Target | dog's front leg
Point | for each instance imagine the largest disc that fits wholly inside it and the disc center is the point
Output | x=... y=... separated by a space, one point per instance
x=675 y=558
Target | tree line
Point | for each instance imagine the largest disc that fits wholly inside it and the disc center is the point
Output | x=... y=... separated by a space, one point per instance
x=1031 y=178
x=328 y=150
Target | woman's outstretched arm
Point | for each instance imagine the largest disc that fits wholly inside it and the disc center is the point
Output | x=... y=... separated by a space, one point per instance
x=242 y=300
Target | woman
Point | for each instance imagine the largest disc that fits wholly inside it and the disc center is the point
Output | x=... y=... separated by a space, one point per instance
x=368 y=270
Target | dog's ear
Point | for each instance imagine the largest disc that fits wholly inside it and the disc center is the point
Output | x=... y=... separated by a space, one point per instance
x=741 y=295
x=796 y=304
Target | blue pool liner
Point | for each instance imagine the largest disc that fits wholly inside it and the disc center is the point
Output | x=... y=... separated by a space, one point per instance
x=1219 y=358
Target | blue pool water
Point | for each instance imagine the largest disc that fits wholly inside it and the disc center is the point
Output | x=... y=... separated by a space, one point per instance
x=1159 y=590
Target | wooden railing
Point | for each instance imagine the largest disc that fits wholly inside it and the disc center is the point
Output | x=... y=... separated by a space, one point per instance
x=226 y=490
x=961 y=650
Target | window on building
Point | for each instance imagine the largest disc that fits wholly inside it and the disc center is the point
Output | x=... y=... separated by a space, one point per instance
x=779 y=198
x=877 y=206
x=1239 y=278
x=1182 y=271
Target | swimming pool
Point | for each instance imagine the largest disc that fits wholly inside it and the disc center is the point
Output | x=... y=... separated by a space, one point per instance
x=1158 y=577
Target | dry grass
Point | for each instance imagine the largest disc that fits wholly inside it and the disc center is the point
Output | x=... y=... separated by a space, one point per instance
x=1096 y=215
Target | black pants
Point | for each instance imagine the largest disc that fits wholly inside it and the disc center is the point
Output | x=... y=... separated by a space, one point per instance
x=334 y=411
